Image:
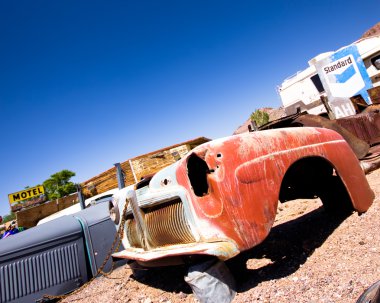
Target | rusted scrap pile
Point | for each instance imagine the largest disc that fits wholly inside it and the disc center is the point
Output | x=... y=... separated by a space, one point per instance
x=366 y=126
x=361 y=131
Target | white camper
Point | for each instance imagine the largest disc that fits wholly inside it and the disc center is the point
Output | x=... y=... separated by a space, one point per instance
x=302 y=92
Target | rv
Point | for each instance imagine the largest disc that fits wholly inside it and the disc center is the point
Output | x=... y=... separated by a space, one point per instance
x=339 y=75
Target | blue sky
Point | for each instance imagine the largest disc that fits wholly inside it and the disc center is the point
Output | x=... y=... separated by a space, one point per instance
x=85 y=84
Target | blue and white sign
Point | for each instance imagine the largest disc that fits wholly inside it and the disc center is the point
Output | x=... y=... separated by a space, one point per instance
x=343 y=75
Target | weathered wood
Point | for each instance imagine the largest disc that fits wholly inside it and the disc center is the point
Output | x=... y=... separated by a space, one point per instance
x=141 y=166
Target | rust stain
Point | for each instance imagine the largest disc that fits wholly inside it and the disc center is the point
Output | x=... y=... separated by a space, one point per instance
x=365 y=126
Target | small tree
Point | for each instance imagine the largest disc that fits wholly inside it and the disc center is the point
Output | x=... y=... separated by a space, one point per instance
x=59 y=185
x=9 y=217
x=260 y=117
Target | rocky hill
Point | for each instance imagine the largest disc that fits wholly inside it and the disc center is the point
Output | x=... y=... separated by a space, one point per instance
x=374 y=30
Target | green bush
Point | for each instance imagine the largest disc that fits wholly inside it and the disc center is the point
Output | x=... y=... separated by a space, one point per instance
x=260 y=117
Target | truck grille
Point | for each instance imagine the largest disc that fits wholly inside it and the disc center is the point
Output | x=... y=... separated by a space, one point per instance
x=38 y=272
x=166 y=225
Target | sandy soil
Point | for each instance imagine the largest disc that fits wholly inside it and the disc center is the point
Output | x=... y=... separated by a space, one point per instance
x=309 y=256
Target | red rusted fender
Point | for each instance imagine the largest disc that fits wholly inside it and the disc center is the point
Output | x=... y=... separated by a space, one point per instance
x=248 y=171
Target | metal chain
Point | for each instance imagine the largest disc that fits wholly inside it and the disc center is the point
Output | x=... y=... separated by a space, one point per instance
x=114 y=247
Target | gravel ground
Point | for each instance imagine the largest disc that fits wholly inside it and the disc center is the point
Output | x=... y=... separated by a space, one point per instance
x=309 y=256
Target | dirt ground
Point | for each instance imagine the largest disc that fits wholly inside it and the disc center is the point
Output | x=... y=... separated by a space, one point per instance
x=309 y=256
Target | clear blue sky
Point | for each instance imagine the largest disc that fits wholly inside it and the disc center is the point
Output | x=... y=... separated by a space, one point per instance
x=85 y=84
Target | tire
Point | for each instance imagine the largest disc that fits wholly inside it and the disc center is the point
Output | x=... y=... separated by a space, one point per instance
x=138 y=271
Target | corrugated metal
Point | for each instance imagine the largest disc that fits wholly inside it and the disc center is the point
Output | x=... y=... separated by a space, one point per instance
x=365 y=126
x=38 y=272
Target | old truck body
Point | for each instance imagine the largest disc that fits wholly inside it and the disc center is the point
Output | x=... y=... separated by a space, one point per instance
x=56 y=257
x=221 y=198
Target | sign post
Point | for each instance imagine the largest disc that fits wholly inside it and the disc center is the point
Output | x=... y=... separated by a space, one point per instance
x=24 y=195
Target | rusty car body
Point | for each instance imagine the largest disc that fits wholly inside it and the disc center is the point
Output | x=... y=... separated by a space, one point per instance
x=221 y=198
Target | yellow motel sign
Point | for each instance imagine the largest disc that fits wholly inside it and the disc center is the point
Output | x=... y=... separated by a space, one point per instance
x=26 y=194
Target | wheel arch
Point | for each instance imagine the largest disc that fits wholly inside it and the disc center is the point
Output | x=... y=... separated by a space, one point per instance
x=315 y=176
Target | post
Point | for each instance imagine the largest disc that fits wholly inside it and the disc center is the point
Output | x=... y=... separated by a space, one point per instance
x=133 y=171
x=325 y=102
x=119 y=176
x=80 y=196
x=253 y=126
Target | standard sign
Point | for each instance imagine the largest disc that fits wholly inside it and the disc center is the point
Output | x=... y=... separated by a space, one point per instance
x=26 y=194
x=343 y=75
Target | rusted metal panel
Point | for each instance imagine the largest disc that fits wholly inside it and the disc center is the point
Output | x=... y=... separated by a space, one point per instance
x=359 y=103
x=358 y=145
x=372 y=161
x=222 y=197
x=365 y=126
x=374 y=94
